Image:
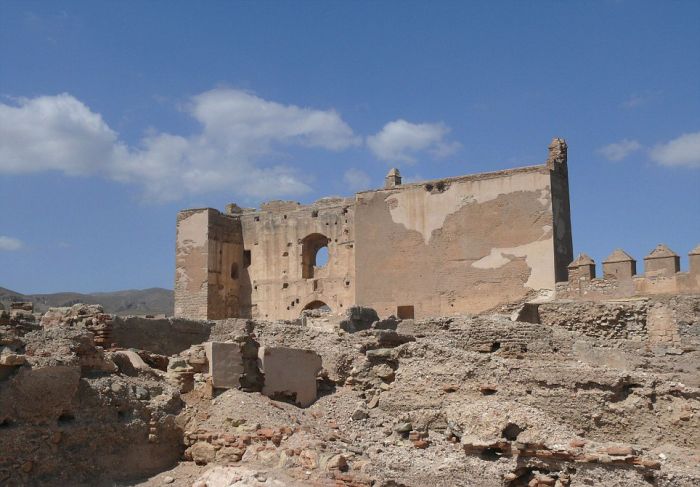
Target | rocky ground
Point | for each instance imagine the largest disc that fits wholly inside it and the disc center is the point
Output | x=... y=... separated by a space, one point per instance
x=589 y=394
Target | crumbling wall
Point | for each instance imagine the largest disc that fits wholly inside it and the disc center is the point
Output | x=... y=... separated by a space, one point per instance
x=275 y=238
x=459 y=245
x=662 y=324
x=165 y=336
x=68 y=417
x=210 y=275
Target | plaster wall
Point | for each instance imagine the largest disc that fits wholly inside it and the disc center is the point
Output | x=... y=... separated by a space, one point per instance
x=458 y=245
x=191 y=263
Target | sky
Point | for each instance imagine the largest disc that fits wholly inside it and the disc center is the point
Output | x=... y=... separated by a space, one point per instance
x=116 y=115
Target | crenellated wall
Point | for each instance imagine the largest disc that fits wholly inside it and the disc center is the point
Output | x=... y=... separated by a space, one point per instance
x=662 y=275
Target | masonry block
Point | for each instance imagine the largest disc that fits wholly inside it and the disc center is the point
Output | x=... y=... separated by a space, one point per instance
x=130 y=363
x=662 y=261
x=694 y=261
x=619 y=265
x=582 y=268
x=225 y=364
x=290 y=372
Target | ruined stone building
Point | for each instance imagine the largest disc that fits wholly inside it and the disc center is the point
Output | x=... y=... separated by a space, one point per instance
x=455 y=245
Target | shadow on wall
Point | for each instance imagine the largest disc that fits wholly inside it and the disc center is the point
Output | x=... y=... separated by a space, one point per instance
x=166 y=336
x=314 y=254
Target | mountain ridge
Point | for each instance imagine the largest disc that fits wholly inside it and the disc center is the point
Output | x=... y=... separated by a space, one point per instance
x=150 y=301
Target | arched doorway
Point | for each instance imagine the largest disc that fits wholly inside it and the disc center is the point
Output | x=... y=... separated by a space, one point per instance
x=319 y=305
x=311 y=247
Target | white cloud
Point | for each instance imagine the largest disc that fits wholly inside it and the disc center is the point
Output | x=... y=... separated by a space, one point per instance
x=401 y=141
x=9 y=244
x=250 y=120
x=357 y=180
x=681 y=151
x=619 y=150
x=636 y=100
x=239 y=133
x=53 y=133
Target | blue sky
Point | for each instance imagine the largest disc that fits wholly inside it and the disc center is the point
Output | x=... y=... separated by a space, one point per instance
x=115 y=115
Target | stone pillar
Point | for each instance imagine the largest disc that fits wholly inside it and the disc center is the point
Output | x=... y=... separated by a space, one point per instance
x=392 y=179
x=556 y=159
x=582 y=268
x=619 y=265
x=694 y=261
x=561 y=208
x=661 y=261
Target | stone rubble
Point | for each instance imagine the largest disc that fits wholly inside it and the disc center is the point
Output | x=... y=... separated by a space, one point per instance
x=578 y=394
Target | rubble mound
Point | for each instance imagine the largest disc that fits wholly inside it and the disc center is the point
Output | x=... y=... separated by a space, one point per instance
x=576 y=394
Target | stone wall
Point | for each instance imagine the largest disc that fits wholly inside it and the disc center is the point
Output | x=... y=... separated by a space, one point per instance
x=662 y=275
x=165 y=336
x=282 y=239
x=457 y=245
x=210 y=276
x=662 y=323
x=461 y=244
x=191 y=262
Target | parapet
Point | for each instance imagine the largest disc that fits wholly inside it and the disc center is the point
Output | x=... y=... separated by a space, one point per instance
x=278 y=205
x=583 y=267
x=662 y=275
x=662 y=261
x=619 y=265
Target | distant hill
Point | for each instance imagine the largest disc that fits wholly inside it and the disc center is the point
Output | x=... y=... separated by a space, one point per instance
x=151 y=301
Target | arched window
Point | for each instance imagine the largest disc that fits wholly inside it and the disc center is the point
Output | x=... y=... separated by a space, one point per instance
x=314 y=254
x=322 y=257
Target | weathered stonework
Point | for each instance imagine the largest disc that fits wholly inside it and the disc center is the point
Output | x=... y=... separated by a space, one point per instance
x=457 y=245
x=662 y=275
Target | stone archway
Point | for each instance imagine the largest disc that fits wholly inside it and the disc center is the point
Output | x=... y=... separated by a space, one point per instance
x=310 y=245
x=317 y=304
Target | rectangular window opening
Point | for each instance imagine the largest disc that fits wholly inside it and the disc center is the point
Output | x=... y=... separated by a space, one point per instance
x=405 y=312
x=246 y=258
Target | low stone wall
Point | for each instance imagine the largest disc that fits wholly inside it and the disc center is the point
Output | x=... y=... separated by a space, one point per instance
x=505 y=336
x=660 y=322
x=611 y=320
x=165 y=336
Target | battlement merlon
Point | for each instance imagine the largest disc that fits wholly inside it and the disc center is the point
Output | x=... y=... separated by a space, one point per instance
x=662 y=275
